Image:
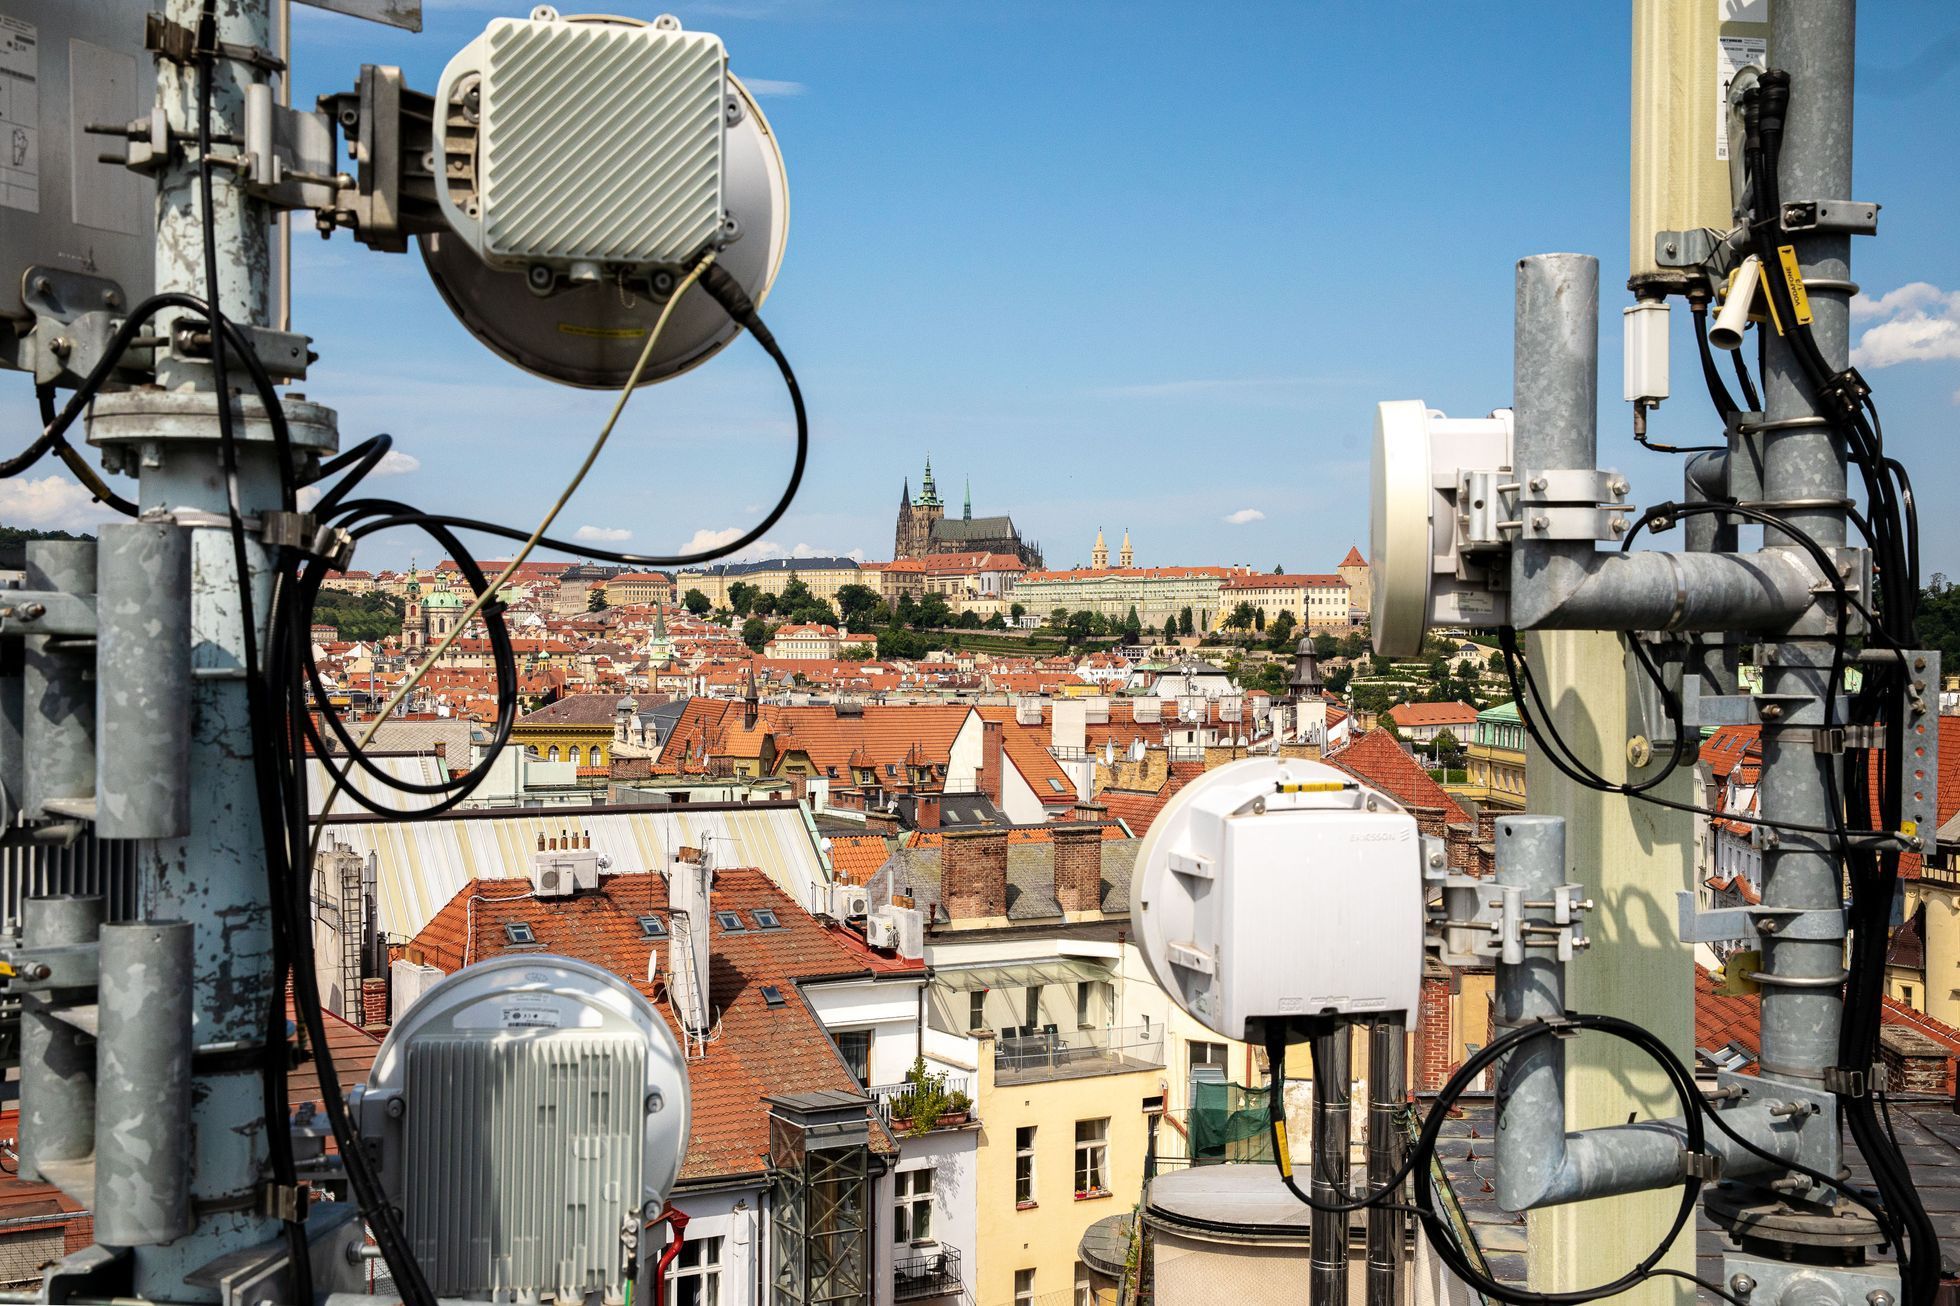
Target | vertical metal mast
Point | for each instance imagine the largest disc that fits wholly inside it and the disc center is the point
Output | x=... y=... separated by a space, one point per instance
x=214 y=878
x=1329 y=1229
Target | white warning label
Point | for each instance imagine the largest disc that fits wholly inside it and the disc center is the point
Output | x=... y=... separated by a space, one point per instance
x=20 y=116
x=1732 y=55
x=530 y=1011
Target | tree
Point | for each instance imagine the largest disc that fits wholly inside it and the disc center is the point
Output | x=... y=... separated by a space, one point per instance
x=859 y=605
x=1259 y=619
x=370 y=616
x=907 y=611
x=969 y=620
x=934 y=611
x=766 y=605
x=1241 y=617
x=998 y=622
x=1017 y=611
x=742 y=597
x=756 y=633
x=595 y=599
x=696 y=602
x=1079 y=625
x=1271 y=677
x=1448 y=751
x=1336 y=681
x=1184 y=626
x=1280 y=638
x=1058 y=618
x=1132 y=626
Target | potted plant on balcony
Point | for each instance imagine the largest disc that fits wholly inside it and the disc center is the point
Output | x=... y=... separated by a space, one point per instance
x=925 y=1104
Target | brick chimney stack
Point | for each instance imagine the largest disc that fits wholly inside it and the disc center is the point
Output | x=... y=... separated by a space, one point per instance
x=1078 y=867
x=973 y=872
x=992 y=737
x=925 y=811
x=1432 y=1066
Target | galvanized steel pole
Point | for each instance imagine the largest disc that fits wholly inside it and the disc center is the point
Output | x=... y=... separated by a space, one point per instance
x=1387 y=1073
x=1328 y=1272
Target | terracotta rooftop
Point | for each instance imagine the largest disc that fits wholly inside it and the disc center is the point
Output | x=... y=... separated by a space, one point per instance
x=1378 y=760
x=759 y=1049
x=1432 y=714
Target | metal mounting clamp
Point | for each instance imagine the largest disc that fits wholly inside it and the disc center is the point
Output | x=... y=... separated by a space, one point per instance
x=1858 y=217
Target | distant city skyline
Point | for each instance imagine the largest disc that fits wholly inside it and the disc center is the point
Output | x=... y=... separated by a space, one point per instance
x=1165 y=292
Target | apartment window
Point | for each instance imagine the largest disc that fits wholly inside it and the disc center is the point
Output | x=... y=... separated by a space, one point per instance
x=1085 y=1004
x=976 y=1009
x=1033 y=1006
x=519 y=933
x=855 y=1044
x=553 y=754
x=1024 y=1166
x=1024 y=1288
x=1085 y=1292
x=1207 y=1057
x=653 y=927
x=694 y=1279
x=912 y=1206
x=1091 y=1156
x=766 y=919
x=1905 y=994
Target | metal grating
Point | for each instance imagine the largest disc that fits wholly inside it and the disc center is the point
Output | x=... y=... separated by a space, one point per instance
x=601 y=141
x=30 y=868
x=523 y=1156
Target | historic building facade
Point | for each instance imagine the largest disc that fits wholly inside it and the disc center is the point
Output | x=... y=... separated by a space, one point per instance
x=924 y=529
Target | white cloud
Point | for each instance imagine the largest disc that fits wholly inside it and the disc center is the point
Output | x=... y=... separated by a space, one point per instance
x=705 y=539
x=767 y=87
x=761 y=550
x=602 y=534
x=397 y=463
x=1243 y=516
x=1921 y=323
x=51 y=503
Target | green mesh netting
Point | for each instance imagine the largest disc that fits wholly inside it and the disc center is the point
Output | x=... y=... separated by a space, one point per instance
x=1228 y=1122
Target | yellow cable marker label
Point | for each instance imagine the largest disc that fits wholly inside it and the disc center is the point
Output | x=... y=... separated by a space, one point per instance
x=1281 y=1152
x=1314 y=787
x=603 y=333
x=1793 y=278
x=1910 y=829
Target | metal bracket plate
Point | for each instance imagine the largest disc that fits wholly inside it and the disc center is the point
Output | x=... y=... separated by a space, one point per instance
x=1919 y=767
x=1858 y=217
x=1577 y=485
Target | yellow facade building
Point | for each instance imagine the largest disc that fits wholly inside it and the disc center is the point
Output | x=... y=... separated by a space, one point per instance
x=578 y=728
x=823 y=577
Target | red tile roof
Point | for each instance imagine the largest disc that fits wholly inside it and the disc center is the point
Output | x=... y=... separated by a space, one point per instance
x=1378 y=760
x=759 y=1050
x=857 y=857
x=1139 y=808
x=1354 y=558
x=1407 y=715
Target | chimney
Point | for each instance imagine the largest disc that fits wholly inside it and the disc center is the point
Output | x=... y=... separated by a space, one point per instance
x=1914 y=1062
x=925 y=811
x=689 y=878
x=1431 y=822
x=991 y=736
x=1087 y=809
x=973 y=872
x=880 y=822
x=1078 y=867
x=1432 y=1041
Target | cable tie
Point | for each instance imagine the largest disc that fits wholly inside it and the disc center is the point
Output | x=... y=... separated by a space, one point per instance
x=1846 y=1082
x=1705 y=1166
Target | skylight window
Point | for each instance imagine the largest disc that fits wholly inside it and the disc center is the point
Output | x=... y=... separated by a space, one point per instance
x=772 y=996
x=653 y=927
x=765 y=919
x=730 y=922
x=519 y=933
x=1054 y=784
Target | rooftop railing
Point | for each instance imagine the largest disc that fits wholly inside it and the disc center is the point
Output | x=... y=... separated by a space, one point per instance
x=1051 y=1052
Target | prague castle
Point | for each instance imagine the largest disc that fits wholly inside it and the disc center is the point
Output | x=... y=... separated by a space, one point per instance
x=925 y=529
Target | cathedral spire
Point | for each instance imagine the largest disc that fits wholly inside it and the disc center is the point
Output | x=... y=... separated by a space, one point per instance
x=1124 y=558
x=905 y=495
x=1099 y=556
x=967 y=513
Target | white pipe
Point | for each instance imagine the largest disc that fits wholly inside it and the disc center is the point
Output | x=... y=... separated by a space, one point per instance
x=1733 y=320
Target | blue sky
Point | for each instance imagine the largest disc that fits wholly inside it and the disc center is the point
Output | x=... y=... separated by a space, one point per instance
x=1126 y=265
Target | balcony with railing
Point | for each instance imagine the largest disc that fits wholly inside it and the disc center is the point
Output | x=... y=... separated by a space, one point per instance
x=922 y=1275
x=899 y=1104
x=1025 y=1055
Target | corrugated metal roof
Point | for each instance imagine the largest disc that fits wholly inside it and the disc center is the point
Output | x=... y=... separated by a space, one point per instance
x=416 y=768
x=423 y=863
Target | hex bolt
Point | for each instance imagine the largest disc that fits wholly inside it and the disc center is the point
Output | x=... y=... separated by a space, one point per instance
x=1919 y=664
x=1539 y=483
x=1619 y=486
x=31 y=611
x=112 y=299
x=397 y=1108
x=35 y=970
x=1878 y=1297
x=1619 y=525
x=1540 y=523
x=1436 y=859
x=655 y=1102
x=61 y=346
x=1772 y=711
x=1741 y=1285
